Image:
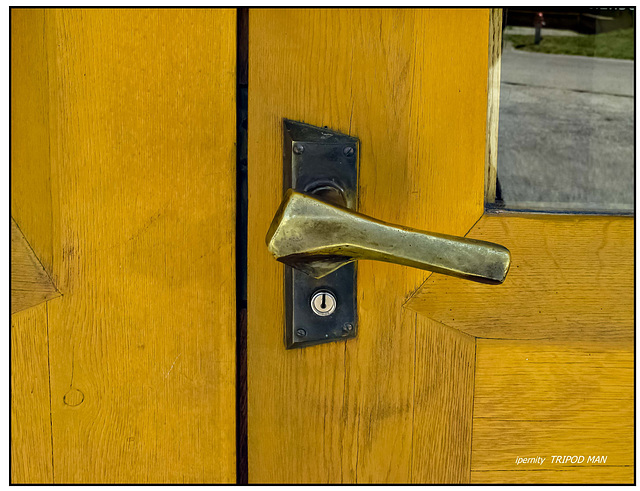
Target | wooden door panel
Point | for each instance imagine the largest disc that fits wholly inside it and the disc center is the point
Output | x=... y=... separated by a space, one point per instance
x=571 y=278
x=545 y=398
x=31 y=182
x=442 y=420
x=134 y=138
x=414 y=91
x=31 y=451
x=439 y=386
x=554 y=348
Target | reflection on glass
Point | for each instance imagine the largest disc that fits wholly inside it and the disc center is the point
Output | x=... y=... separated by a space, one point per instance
x=566 y=128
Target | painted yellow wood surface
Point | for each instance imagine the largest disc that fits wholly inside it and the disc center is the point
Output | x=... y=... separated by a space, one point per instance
x=557 y=376
x=30 y=283
x=412 y=85
x=586 y=475
x=571 y=278
x=442 y=420
x=542 y=398
x=31 y=186
x=141 y=159
x=31 y=457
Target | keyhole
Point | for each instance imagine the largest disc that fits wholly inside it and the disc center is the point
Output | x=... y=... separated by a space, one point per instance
x=323 y=303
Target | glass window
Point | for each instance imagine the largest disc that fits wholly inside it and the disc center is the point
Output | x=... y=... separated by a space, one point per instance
x=566 y=117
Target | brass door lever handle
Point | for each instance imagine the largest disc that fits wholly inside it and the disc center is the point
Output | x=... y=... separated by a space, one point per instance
x=317 y=238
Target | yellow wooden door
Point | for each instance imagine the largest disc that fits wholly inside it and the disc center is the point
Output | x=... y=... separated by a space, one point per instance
x=123 y=186
x=447 y=381
x=123 y=240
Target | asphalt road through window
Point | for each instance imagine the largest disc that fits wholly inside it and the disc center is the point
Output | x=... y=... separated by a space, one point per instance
x=566 y=124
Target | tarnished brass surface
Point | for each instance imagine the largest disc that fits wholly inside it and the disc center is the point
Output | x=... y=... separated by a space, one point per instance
x=318 y=238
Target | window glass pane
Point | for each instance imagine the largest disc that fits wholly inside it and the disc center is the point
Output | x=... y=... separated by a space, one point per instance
x=566 y=123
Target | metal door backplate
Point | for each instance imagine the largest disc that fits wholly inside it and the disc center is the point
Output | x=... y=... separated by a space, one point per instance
x=324 y=163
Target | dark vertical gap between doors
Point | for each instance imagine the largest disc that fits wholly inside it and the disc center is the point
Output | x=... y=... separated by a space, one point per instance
x=242 y=67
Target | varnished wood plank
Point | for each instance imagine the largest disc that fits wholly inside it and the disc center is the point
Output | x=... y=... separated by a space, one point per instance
x=571 y=278
x=31 y=452
x=536 y=398
x=30 y=284
x=445 y=371
x=30 y=167
x=493 y=104
x=413 y=89
x=589 y=475
x=142 y=130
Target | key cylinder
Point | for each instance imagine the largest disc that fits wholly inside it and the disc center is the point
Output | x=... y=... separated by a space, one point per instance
x=323 y=303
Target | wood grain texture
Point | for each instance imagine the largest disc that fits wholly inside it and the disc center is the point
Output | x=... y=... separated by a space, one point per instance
x=31 y=446
x=30 y=283
x=493 y=105
x=142 y=163
x=540 y=398
x=411 y=84
x=558 y=378
x=30 y=170
x=444 y=387
x=571 y=278
x=586 y=475
x=31 y=452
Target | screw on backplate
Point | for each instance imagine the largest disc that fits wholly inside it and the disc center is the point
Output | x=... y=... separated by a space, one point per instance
x=348 y=327
x=298 y=148
x=348 y=151
x=301 y=332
